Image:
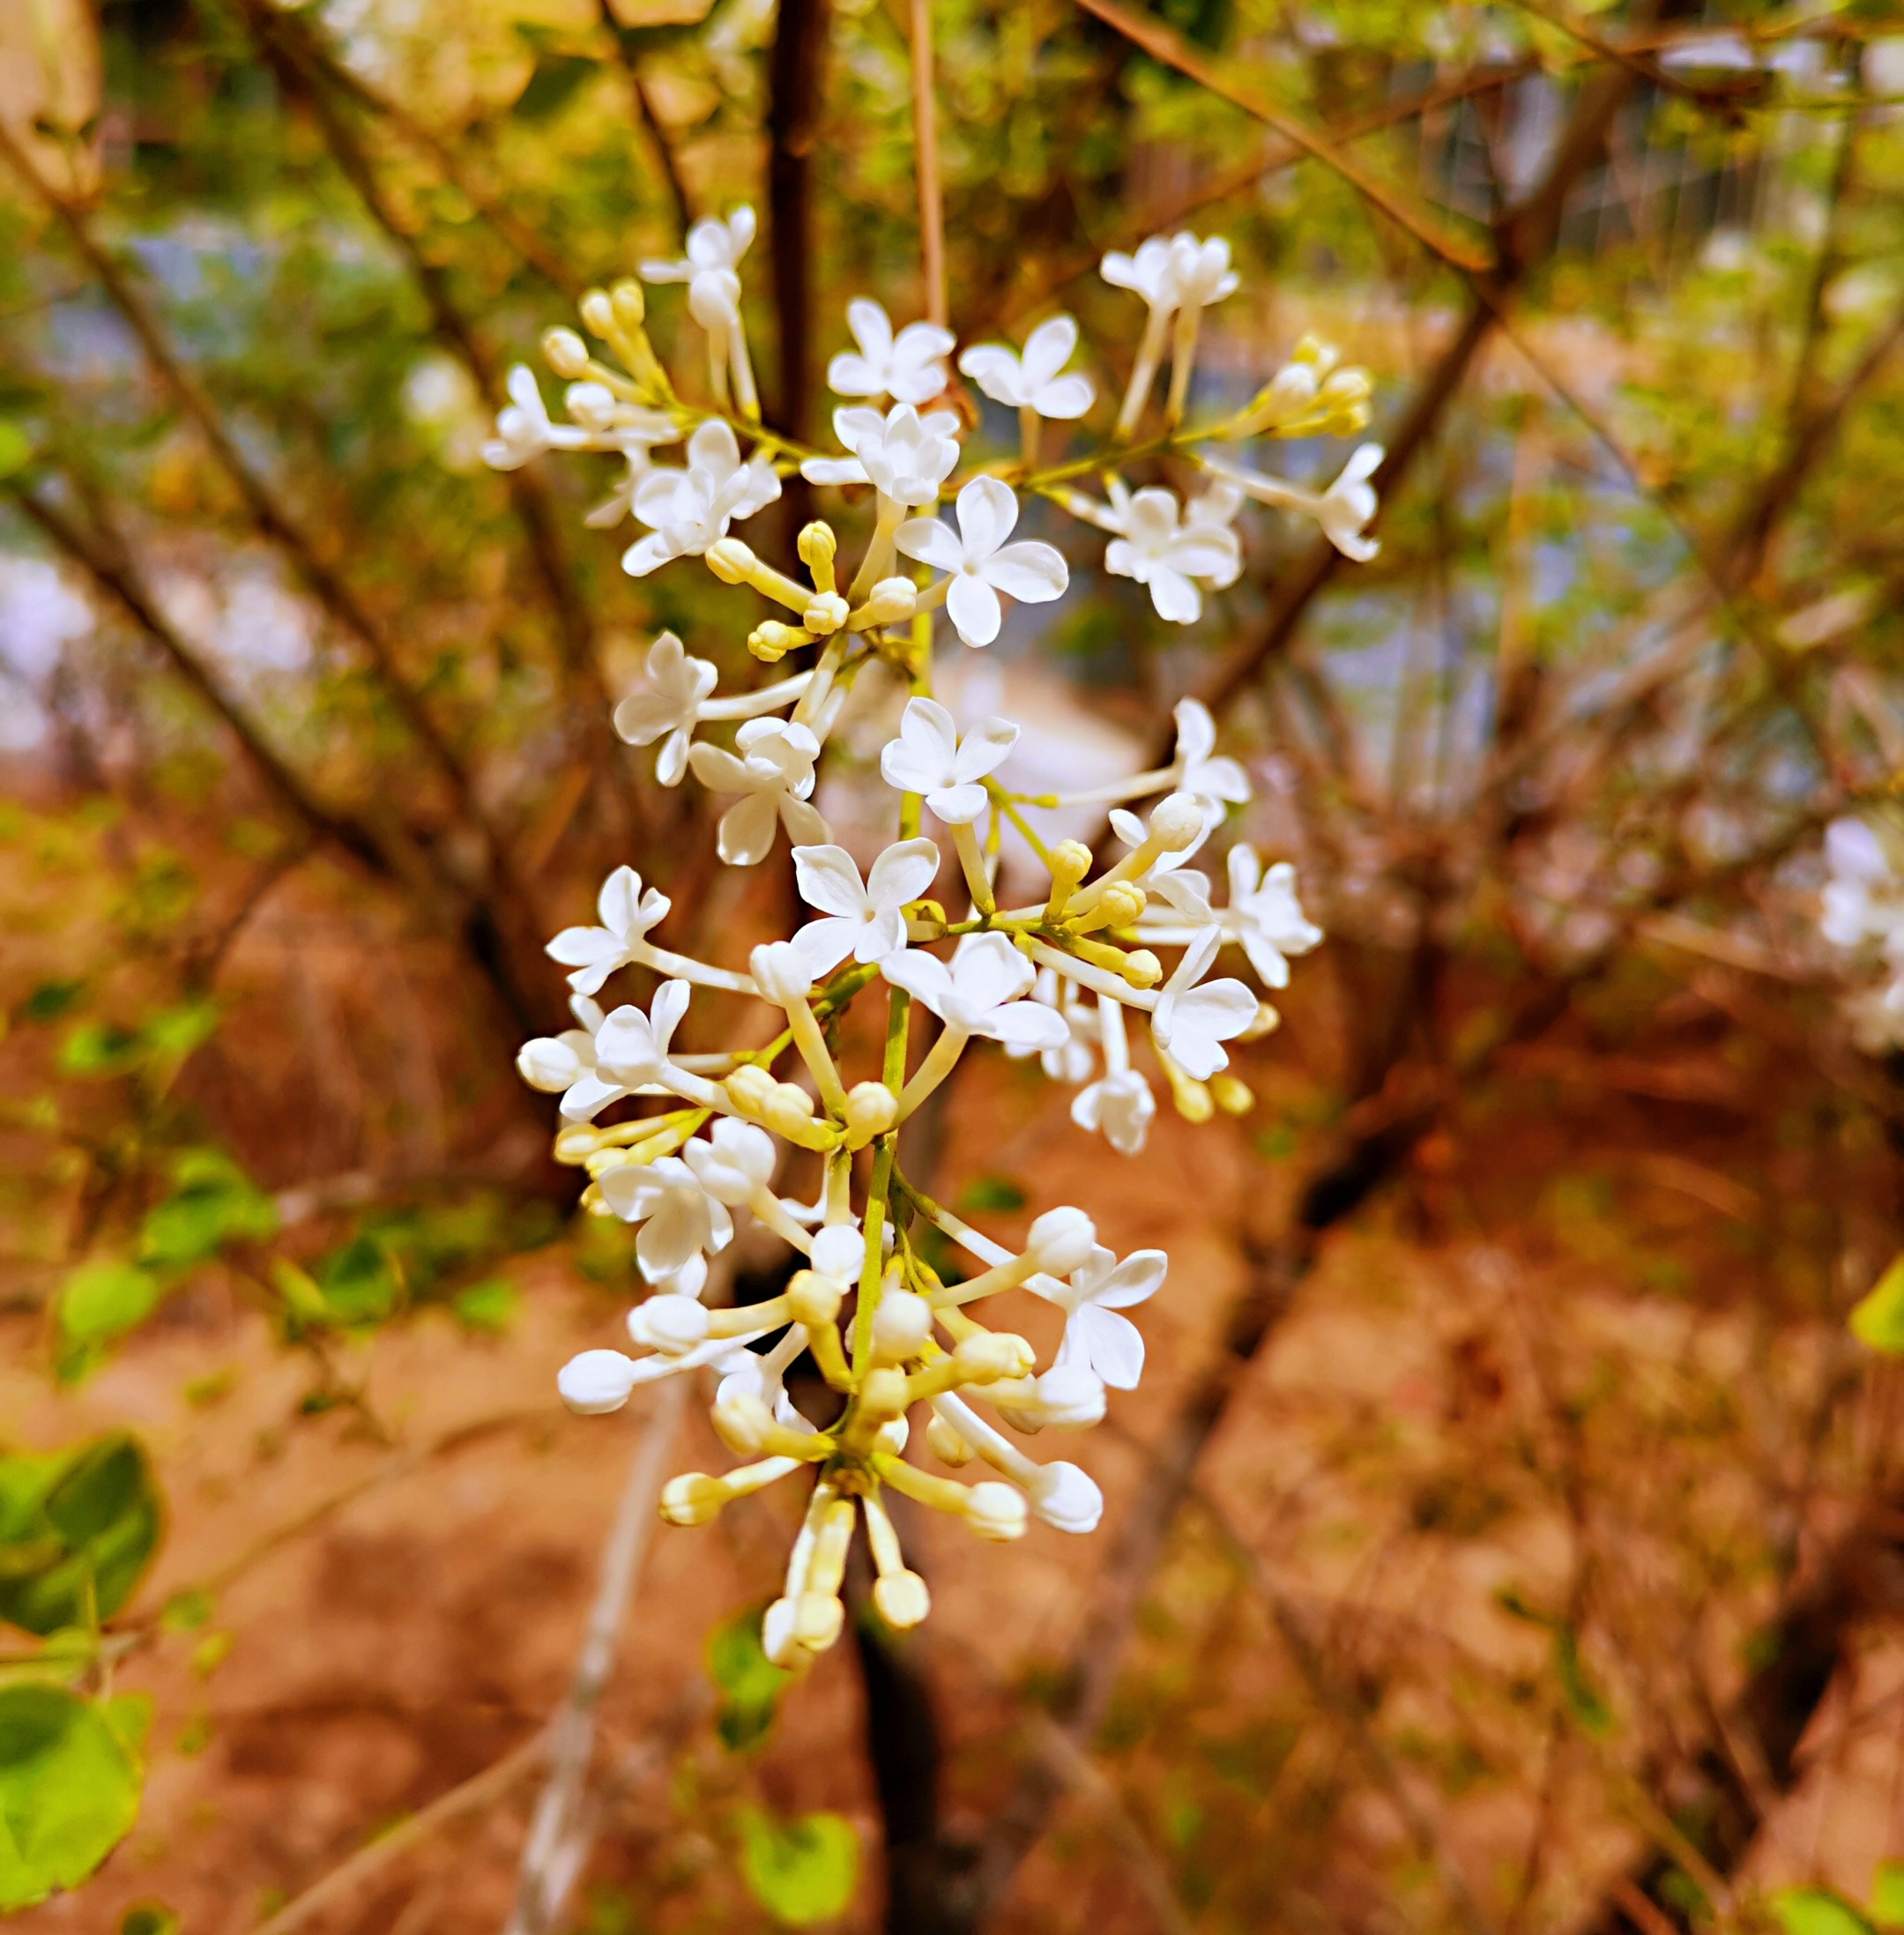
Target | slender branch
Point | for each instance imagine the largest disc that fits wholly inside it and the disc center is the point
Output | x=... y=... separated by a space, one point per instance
x=474 y=1796
x=793 y=128
x=1164 y=44
x=650 y=123
x=547 y=1872
x=926 y=164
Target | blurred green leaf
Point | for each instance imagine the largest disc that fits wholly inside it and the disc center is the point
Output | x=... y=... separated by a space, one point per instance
x=16 y=449
x=1816 y=1911
x=489 y=1306
x=99 y=1048
x=148 y=1918
x=50 y=1000
x=750 y=1683
x=1886 y=1905
x=77 y=1532
x=357 y=1283
x=554 y=84
x=104 y=1300
x=992 y=1193
x=802 y=1871
x=214 y=1202
x=69 y=1791
x=1878 y=1317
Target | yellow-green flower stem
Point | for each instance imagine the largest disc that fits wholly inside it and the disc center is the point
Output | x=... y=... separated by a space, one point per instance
x=870 y=1271
x=965 y=844
x=814 y=1052
x=875 y=566
x=942 y=1495
x=939 y=1063
x=825 y=669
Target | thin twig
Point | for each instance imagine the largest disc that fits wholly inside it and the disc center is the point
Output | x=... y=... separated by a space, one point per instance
x=926 y=164
x=479 y=1792
x=548 y=1866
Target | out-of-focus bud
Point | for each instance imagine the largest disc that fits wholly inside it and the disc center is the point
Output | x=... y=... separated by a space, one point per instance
x=994 y=1511
x=691 y=1498
x=1176 y=821
x=902 y=1598
x=813 y=1298
x=671 y=1324
x=565 y=352
x=1231 y=1096
x=596 y=1382
x=872 y=1108
x=750 y=1085
x=943 y=1440
x=994 y=1354
x=1061 y=1240
x=901 y=1325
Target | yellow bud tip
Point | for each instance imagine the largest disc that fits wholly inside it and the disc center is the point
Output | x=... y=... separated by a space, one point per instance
x=598 y=312
x=1231 y=1096
x=1193 y=1100
x=818 y=1617
x=902 y=1599
x=1143 y=969
x=1070 y=860
x=691 y=1498
x=817 y=545
x=630 y=305
x=730 y=561
x=813 y=1300
x=564 y=352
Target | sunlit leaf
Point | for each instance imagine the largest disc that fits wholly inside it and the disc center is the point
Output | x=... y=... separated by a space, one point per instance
x=488 y=1306
x=1886 y=1905
x=802 y=1870
x=214 y=1202
x=69 y=1791
x=78 y=1532
x=1878 y=1317
x=104 y=1300
x=1816 y=1911
x=750 y=1683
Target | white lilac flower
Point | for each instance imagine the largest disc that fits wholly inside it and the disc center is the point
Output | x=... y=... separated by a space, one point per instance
x=553 y=1063
x=1119 y=1103
x=909 y=368
x=679 y=1219
x=904 y=456
x=863 y=918
x=1031 y=380
x=714 y=251
x=627 y=914
x=524 y=430
x=1200 y=271
x=978 y=993
x=774 y=771
x=1216 y=509
x=1148 y=273
x=979 y=561
x=929 y=757
x=636 y=442
x=1191 y=1023
x=1098 y=1289
x=1265 y=916
x=1861 y=900
x=691 y=509
x=669 y=702
x=1344 y=511
x=713 y=244
x=736 y=1161
x=1176 y=277
x=630 y=1053
x=1166 y=555
x=1218 y=781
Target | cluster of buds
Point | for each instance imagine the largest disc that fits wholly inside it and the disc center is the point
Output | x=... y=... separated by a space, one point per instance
x=1078 y=976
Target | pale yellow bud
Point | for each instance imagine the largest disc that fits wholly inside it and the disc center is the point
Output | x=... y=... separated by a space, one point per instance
x=1069 y=861
x=770 y=641
x=1192 y=1098
x=872 y=1108
x=1141 y=968
x=883 y=1395
x=1231 y=1096
x=630 y=305
x=902 y=1599
x=788 y=1110
x=825 y=614
x=994 y=1354
x=1266 y=1022
x=813 y=1300
x=945 y=1444
x=1123 y=901
x=817 y=547
x=901 y=1325
x=750 y=1085
x=994 y=1511
x=743 y=1424
x=574 y=1146
x=597 y=313
x=818 y=1617
x=730 y=561
x=565 y=352
x=691 y=1498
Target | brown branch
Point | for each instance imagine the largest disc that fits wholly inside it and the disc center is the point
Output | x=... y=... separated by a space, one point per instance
x=793 y=130
x=926 y=164
x=1162 y=43
x=651 y=122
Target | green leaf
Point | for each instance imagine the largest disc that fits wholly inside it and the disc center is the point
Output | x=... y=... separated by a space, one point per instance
x=1878 y=1317
x=214 y=1202
x=553 y=84
x=69 y=1792
x=357 y=1283
x=50 y=1000
x=802 y=1872
x=78 y=1532
x=750 y=1683
x=1816 y=1911
x=992 y=1193
x=148 y=1918
x=16 y=449
x=488 y=1306
x=97 y=1049
x=1886 y=1908
x=130 y=1717
x=104 y=1300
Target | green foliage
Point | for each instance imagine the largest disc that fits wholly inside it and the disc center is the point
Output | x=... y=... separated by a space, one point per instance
x=1816 y=1911
x=1878 y=1317
x=802 y=1870
x=76 y=1532
x=489 y=1306
x=16 y=449
x=1886 y=1905
x=988 y=1192
x=148 y=1918
x=99 y=1301
x=750 y=1684
x=212 y=1202
x=69 y=1791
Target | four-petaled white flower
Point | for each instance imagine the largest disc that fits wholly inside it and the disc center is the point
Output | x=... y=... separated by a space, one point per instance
x=1121 y=1106
x=679 y=1219
x=1200 y=271
x=1191 y=1023
x=909 y=368
x=1265 y=916
x=1166 y=555
x=737 y=1161
x=904 y=454
x=1098 y=1288
x=980 y=562
x=630 y=1053
x=978 y=993
x=714 y=251
x=669 y=702
x=1031 y=380
x=627 y=914
x=554 y=1062
x=692 y=509
x=523 y=427
x=775 y=770
x=865 y=919
x=1344 y=511
x=929 y=757
x=1217 y=781
x=1148 y=273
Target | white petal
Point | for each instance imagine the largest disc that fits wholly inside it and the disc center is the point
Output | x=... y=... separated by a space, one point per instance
x=1032 y=572
x=1137 y=1278
x=958 y=806
x=822 y=945
x=902 y=873
x=851 y=375
x=1114 y=1346
x=987 y=510
x=834 y=470
x=829 y=879
x=1027 y=1026
x=923 y=976
x=746 y=830
x=1175 y=597
x=985 y=747
x=803 y=823
x=1065 y=398
x=932 y=542
x=996 y=371
x=1048 y=349
x=974 y=609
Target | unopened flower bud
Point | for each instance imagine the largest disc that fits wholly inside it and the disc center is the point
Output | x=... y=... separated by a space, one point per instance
x=575 y=1145
x=1191 y=1099
x=994 y=1354
x=1266 y=1022
x=596 y=1382
x=770 y=641
x=564 y=352
x=1176 y=821
x=883 y=1395
x=743 y=1423
x=691 y=1498
x=818 y=548
x=943 y=1440
x=597 y=313
x=1069 y=861
x=750 y=1085
x=811 y=1298
x=902 y=1599
x=778 y=1640
x=1123 y=902
x=839 y=1252
x=730 y=561
x=890 y=601
x=779 y=972
x=872 y=1108
x=1141 y=968
x=1066 y=1499
x=818 y=1617
x=1061 y=1240
x=901 y=1325
x=994 y=1511
x=669 y=1323
x=630 y=305
x=1231 y=1096
x=789 y=1109
x=825 y=614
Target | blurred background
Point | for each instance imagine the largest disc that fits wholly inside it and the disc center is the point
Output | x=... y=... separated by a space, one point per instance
x=1509 y=1534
